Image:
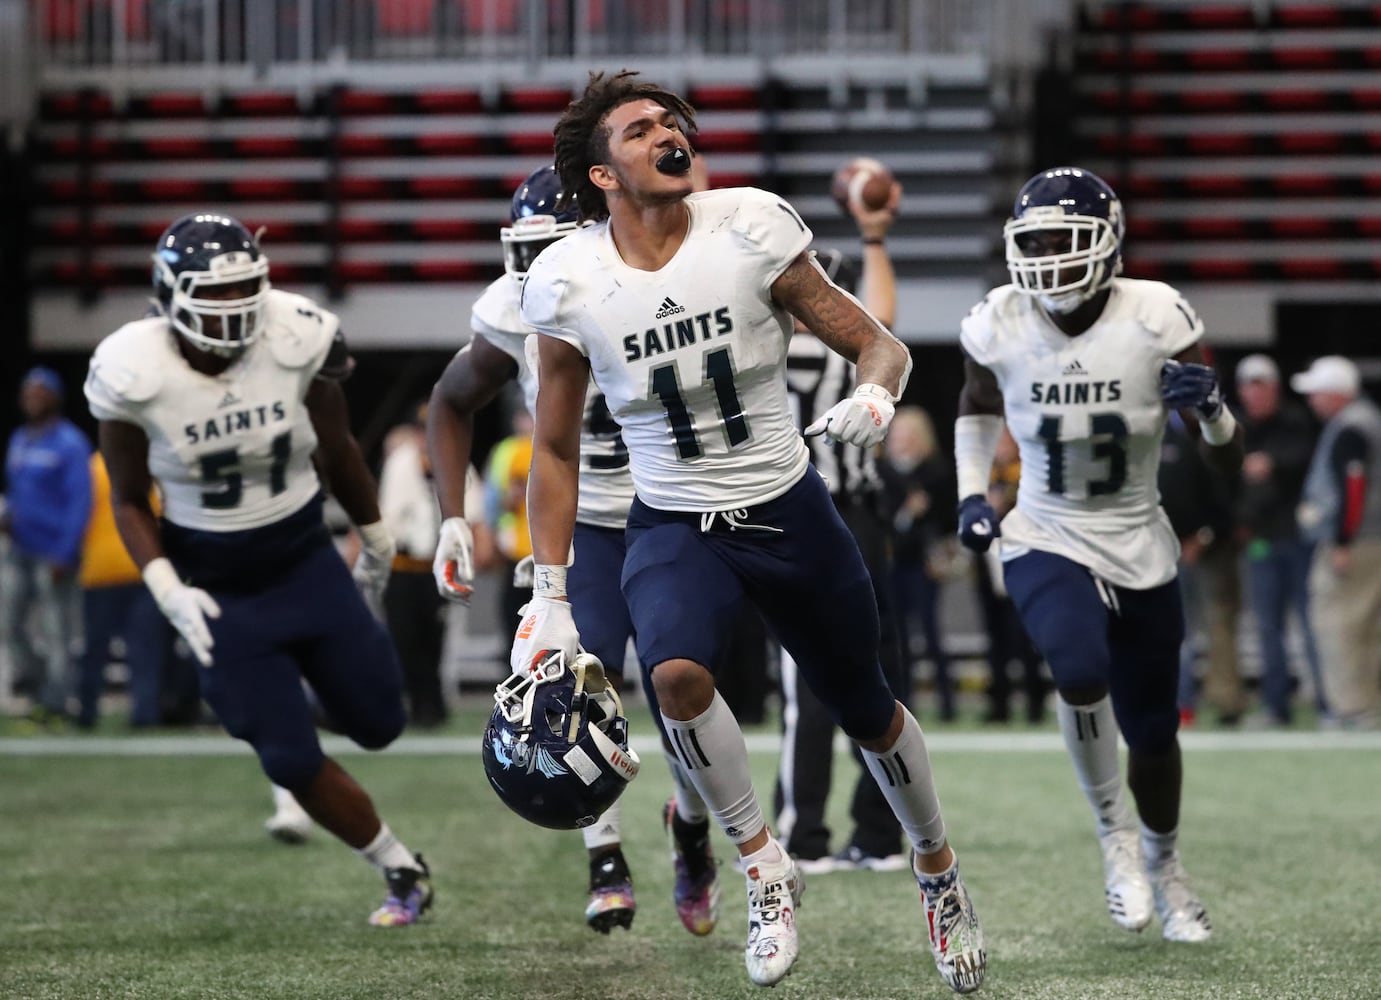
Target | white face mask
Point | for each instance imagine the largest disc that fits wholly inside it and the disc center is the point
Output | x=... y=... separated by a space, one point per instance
x=1066 y=302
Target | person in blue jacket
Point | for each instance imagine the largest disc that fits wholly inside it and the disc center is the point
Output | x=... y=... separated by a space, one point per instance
x=47 y=503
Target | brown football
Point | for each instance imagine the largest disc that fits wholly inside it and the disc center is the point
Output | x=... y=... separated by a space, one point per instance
x=863 y=179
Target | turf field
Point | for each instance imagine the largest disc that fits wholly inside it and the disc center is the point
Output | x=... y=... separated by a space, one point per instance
x=139 y=869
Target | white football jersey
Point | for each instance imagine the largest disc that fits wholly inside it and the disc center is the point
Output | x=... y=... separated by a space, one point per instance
x=1087 y=416
x=606 y=485
x=691 y=358
x=230 y=451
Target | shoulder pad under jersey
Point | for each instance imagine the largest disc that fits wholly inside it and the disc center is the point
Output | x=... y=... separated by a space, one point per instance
x=129 y=363
x=298 y=331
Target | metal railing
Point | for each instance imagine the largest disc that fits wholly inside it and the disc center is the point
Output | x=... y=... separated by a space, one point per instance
x=261 y=34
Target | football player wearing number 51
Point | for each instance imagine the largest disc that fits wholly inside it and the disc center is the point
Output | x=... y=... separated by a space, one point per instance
x=222 y=396
x=680 y=305
x=1086 y=366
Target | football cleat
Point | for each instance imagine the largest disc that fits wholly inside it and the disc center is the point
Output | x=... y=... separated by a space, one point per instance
x=696 y=889
x=611 y=893
x=1182 y=915
x=1126 y=887
x=774 y=893
x=289 y=823
x=956 y=937
x=409 y=896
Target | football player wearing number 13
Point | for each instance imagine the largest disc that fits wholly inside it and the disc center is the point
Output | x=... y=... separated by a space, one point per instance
x=1085 y=366
x=681 y=307
x=223 y=396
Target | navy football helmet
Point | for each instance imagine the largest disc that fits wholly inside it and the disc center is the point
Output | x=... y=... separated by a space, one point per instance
x=205 y=253
x=541 y=214
x=1064 y=240
x=556 y=748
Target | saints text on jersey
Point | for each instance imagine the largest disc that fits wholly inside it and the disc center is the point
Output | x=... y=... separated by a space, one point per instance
x=226 y=424
x=682 y=333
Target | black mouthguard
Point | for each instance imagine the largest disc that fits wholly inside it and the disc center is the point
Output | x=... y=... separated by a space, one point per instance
x=674 y=161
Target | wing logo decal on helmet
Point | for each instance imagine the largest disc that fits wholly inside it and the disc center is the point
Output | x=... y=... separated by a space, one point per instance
x=546 y=764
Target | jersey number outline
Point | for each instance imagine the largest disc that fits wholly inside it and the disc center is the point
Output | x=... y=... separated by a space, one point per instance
x=224 y=465
x=603 y=427
x=1108 y=434
x=719 y=370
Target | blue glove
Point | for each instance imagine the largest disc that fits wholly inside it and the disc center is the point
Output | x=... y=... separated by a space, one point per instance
x=1191 y=386
x=978 y=524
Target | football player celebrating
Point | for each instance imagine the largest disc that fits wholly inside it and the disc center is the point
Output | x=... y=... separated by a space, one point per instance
x=500 y=351
x=1085 y=366
x=680 y=304
x=223 y=396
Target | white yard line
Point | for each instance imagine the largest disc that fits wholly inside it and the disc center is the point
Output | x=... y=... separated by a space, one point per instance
x=213 y=745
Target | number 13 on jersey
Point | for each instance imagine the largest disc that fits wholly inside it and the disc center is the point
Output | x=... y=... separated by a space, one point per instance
x=1106 y=442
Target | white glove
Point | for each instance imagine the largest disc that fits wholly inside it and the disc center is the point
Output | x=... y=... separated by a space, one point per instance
x=374 y=564
x=861 y=419
x=186 y=607
x=525 y=573
x=546 y=627
x=454 y=565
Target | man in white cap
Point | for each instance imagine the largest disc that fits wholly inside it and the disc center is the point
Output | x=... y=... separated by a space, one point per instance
x=1341 y=510
x=1279 y=441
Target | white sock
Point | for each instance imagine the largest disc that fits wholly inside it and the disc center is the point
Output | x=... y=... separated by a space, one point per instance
x=689 y=805
x=285 y=801
x=710 y=748
x=386 y=851
x=903 y=773
x=603 y=832
x=1159 y=848
x=1090 y=733
x=770 y=853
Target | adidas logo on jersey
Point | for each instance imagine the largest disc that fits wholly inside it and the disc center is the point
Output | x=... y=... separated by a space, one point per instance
x=1074 y=368
x=668 y=308
x=229 y=399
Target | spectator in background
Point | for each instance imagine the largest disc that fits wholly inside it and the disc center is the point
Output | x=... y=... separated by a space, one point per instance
x=1007 y=638
x=919 y=483
x=115 y=602
x=1279 y=440
x=506 y=487
x=48 y=490
x=1341 y=511
x=816 y=379
x=1197 y=497
x=414 y=610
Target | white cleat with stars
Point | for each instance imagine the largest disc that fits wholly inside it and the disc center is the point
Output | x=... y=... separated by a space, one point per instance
x=956 y=937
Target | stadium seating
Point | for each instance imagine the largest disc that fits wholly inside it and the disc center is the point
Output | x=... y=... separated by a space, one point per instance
x=1243 y=135
x=362 y=185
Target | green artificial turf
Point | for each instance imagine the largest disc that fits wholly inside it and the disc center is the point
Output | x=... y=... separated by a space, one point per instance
x=149 y=875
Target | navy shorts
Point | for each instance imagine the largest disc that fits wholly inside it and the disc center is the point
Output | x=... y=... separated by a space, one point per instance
x=686 y=575
x=1127 y=640
x=592 y=584
x=309 y=623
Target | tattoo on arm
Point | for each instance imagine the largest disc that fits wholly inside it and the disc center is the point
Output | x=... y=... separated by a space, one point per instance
x=842 y=324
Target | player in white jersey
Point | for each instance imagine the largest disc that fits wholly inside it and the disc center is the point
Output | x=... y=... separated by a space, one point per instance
x=680 y=305
x=225 y=396
x=502 y=349
x=1085 y=366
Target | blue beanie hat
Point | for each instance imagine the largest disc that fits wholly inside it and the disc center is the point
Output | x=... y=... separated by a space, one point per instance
x=45 y=377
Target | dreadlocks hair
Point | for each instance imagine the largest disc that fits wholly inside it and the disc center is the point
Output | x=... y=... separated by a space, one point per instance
x=582 y=133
